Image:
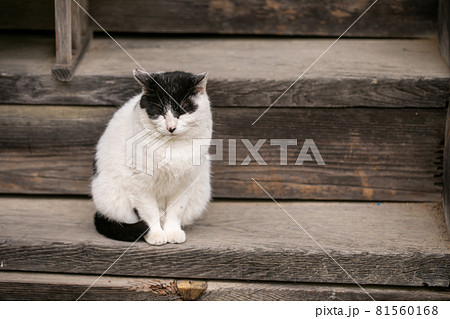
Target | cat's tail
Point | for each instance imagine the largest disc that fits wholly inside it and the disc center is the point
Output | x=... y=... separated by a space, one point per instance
x=119 y=231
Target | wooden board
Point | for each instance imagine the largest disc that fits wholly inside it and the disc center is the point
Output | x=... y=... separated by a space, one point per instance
x=370 y=154
x=446 y=172
x=387 y=244
x=41 y=286
x=224 y=291
x=242 y=71
x=444 y=29
x=397 y=18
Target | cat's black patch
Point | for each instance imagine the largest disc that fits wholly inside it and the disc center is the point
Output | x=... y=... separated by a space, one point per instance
x=120 y=231
x=181 y=86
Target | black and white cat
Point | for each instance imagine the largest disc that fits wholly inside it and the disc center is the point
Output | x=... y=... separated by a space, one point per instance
x=129 y=201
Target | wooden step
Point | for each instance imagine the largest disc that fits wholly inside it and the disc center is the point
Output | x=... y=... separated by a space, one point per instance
x=374 y=108
x=46 y=286
x=370 y=153
x=394 y=18
x=245 y=72
x=394 y=244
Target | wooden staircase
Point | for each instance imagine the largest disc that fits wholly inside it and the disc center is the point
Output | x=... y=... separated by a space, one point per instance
x=375 y=105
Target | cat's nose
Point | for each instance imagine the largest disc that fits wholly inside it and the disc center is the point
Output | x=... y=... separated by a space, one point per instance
x=171 y=126
x=171 y=122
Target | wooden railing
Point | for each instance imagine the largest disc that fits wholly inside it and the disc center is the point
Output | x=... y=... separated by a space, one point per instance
x=72 y=37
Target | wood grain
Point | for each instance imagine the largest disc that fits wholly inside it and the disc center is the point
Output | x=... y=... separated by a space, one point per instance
x=396 y=18
x=444 y=29
x=223 y=291
x=370 y=154
x=243 y=72
x=386 y=244
x=63 y=31
x=446 y=172
x=42 y=286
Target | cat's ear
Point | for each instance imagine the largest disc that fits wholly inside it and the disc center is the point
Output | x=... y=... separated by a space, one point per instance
x=141 y=77
x=201 y=80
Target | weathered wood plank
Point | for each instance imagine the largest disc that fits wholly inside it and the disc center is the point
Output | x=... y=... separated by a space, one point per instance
x=396 y=18
x=375 y=73
x=342 y=92
x=370 y=154
x=387 y=244
x=444 y=29
x=333 y=92
x=324 y=18
x=41 y=286
x=222 y=291
x=446 y=172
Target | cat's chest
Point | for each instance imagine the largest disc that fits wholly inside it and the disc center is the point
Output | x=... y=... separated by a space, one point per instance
x=173 y=159
x=174 y=153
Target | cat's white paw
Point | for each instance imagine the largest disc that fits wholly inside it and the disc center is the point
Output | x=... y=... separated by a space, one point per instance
x=156 y=237
x=176 y=236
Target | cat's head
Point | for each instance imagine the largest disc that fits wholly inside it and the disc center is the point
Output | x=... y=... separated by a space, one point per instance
x=174 y=102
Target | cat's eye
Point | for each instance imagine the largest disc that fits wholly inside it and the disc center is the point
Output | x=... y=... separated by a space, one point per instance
x=188 y=106
x=151 y=106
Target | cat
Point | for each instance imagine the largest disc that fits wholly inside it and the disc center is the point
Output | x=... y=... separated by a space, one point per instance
x=129 y=201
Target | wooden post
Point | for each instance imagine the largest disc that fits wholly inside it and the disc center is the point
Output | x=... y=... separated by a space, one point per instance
x=72 y=37
x=63 y=32
x=444 y=29
x=76 y=27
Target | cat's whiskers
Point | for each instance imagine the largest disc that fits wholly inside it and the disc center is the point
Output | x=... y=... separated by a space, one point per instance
x=151 y=102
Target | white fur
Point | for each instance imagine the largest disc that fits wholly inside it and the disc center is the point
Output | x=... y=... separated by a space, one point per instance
x=159 y=198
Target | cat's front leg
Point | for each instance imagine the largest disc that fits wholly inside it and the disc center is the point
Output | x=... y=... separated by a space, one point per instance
x=172 y=220
x=148 y=211
x=156 y=236
x=174 y=233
